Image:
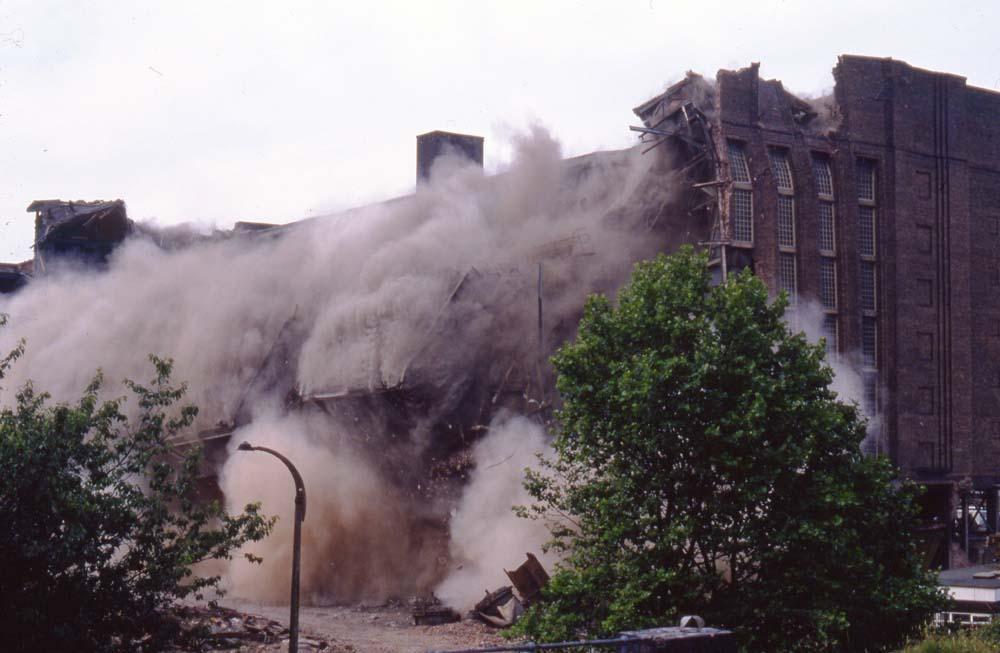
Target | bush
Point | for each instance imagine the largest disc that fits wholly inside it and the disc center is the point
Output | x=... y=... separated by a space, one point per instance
x=101 y=519
x=705 y=467
x=982 y=640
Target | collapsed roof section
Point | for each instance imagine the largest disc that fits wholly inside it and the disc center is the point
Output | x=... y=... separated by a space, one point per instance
x=80 y=231
x=14 y=275
x=680 y=122
x=690 y=122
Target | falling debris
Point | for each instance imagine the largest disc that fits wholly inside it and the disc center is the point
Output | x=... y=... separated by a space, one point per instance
x=503 y=606
x=529 y=579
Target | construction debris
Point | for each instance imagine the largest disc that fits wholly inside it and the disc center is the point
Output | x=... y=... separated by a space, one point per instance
x=503 y=606
x=528 y=579
x=499 y=608
x=214 y=628
x=432 y=613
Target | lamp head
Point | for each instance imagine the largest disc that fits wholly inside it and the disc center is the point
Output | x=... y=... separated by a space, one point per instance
x=245 y=446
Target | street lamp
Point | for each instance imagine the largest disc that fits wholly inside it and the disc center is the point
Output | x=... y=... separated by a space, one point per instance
x=300 y=515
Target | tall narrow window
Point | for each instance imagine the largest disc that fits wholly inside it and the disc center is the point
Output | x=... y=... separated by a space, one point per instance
x=781 y=170
x=823 y=176
x=865 y=178
x=869 y=342
x=738 y=162
x=866 y=230
x=742 y=215
x=867 y=287
x=782 y=173
x=827 y=246
x=741 y=206
x=828 y=283
x=830 y=332
x=786 y=222
x=869 y=402
x=827 y=229
x=865 y=173
x=786 y=276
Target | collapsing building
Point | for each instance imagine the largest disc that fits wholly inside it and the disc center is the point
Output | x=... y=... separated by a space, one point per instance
x=87 y=232
x=66 y=232
x=876 y=208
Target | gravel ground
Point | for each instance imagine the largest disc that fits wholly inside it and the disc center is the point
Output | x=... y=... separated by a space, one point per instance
x=382 y=629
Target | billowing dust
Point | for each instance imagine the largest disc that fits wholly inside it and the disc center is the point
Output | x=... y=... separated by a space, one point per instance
x=487 y=537
x=378 y=349
x=397 y=354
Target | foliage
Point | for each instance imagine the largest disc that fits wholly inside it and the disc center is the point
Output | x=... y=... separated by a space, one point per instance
x=705 y=467
x=101 y=518
x=985 y=639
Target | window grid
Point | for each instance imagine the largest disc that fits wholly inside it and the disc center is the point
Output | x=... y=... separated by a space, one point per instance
x=828 y=283
x=830 y=332
x=823 y=177
x=786 y=276
x=781 y=171
x=866 y=230
x=786 y=221
x=738 y=167
x=868 y=302
x=867 y=226
x=869 y=341
x=827 y=233
x=870 y=398
x=742 y=213
x=866 y=180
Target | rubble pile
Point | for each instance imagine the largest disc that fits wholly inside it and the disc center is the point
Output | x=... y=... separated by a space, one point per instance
x=215 y=628
x=501 y=607
x=430 y=612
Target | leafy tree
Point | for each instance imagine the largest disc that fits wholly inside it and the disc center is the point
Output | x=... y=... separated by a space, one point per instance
x=101 y=520
x=705 y=467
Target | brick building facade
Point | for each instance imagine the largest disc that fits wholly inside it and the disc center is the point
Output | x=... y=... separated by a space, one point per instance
x=879 y=208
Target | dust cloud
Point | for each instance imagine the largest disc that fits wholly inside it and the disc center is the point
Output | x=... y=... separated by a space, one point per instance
x=486 y=536
x=847 y=383
x=372 y=347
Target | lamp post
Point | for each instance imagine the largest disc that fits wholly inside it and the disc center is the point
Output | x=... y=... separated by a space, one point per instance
x=300 y=515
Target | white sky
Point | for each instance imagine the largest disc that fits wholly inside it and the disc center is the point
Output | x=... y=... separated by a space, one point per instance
x=272 y=111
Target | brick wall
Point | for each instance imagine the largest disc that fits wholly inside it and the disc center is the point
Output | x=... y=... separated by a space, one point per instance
x=935 y=146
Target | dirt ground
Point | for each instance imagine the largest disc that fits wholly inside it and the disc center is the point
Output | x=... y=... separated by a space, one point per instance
x=374 y=629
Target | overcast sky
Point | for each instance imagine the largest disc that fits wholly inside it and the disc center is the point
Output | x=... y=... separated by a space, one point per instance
x=272 y=111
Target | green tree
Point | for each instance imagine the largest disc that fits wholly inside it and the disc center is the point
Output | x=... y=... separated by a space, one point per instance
x=101 y=520
x=704 y=466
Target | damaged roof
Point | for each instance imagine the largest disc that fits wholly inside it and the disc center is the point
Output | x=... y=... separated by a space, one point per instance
x=99 y=220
